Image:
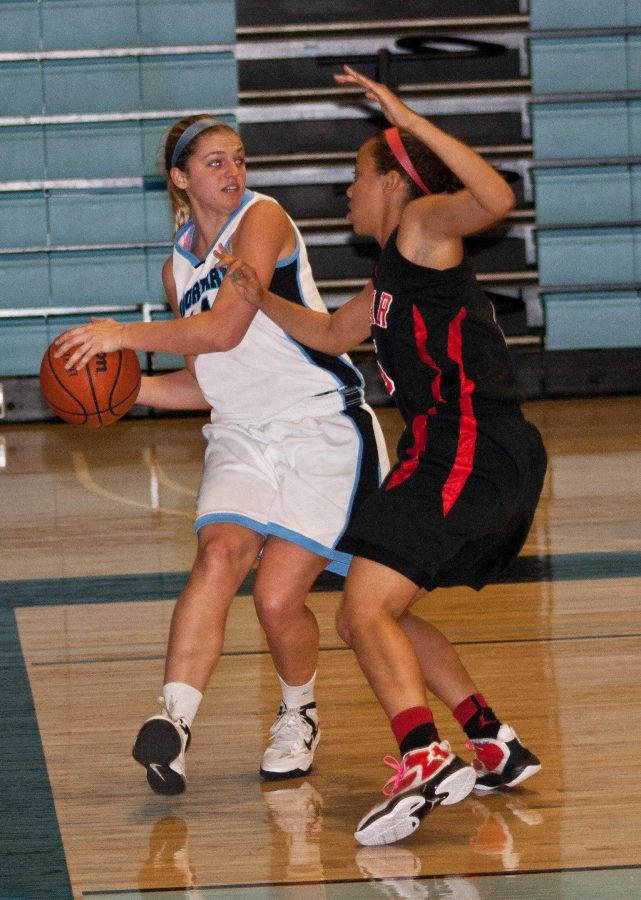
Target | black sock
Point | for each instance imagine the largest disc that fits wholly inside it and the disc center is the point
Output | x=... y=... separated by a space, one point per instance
x=477 y=718
x=421 y=736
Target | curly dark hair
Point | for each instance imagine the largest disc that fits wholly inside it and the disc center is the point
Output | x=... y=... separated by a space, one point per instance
x=434 y=173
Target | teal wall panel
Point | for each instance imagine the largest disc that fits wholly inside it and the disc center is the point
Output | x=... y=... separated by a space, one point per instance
x=96 y=217
x=23 y=219
x=578 y=195
x=22 y=153
x=24 y=281
x=187 y=21
x=635 y=180
x=98 y=277
x=193 y=81
x=98 y=23
x=155 y=259
x=583 y=130
x=94 y=150
x=592 y=320
x=634 y=127
x=581 y=13
x=91 y=86
x=20 y=89
x=579 y=64
x=158 y=218
x=84 y=86
x=586 y=256
x=20 y=27
x=22 y=345
x=633 y=60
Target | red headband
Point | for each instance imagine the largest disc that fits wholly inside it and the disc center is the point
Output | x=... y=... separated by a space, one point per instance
x=395 y=144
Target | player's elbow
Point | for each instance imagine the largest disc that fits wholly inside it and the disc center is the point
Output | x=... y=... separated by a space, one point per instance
x=224 y=343
x=505 y=201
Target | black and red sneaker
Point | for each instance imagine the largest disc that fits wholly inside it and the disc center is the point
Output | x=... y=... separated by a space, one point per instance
x=425 y=778
x=502 y=761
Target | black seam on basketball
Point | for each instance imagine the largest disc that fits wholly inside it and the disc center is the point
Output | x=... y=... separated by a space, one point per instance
x=114 y=385
x=66 y=390
x=114 y=406
x=93 y=394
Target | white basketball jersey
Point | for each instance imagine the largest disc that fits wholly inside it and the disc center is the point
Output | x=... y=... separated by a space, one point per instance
x=268 y=375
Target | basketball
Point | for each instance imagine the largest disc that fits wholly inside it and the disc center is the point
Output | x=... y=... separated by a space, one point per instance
x=99 y=394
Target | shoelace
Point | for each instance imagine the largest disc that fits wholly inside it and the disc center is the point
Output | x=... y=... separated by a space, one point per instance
x=169 y=709
x=287 y=727
x=392 y=784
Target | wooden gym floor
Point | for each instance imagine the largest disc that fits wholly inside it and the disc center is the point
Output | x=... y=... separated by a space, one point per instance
x=96 y=543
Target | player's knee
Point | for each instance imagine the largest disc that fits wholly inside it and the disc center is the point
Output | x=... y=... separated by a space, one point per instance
x=273 y=608
x=346 y=622
x=217 y=554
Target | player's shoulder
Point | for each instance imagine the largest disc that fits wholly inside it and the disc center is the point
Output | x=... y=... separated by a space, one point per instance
x=265 y=209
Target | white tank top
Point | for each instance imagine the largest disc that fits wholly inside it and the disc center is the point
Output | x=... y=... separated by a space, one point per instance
x=268 y=375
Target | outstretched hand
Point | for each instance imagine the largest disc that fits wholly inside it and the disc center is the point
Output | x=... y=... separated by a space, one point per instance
x=85 y=341
x=394 y=109
x=242 y=276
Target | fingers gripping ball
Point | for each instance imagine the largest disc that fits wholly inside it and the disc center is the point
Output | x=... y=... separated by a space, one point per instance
x=99 y=394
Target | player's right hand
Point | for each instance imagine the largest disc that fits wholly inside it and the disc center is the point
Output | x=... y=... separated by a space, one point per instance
x=85 y=341
x=242 y=276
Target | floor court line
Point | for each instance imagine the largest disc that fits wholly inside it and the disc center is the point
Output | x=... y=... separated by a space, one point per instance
x=36 y=821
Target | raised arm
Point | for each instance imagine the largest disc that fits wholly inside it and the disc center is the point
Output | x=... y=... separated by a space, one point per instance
x=335 y=334
x=486 y=196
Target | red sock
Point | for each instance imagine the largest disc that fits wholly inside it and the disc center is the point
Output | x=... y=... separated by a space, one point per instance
x=476 y=718
x=414 y=728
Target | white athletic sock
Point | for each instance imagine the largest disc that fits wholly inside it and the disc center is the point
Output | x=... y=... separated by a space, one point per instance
x=297 y=695
x=181 y=700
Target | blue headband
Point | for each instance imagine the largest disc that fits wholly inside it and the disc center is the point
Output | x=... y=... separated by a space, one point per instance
x=189 y=134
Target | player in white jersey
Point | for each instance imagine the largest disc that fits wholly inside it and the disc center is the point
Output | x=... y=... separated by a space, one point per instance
x=291 y=448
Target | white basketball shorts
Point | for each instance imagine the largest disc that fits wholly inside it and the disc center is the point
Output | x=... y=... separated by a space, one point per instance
x=299 y=481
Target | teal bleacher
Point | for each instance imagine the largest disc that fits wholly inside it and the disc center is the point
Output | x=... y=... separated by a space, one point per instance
x=586 y=145
x=88 y=89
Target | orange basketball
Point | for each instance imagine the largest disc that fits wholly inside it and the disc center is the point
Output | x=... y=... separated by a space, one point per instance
x=97 y=395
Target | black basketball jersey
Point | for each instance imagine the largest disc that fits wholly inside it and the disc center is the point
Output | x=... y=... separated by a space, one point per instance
x=436 y=337
x=458 y=504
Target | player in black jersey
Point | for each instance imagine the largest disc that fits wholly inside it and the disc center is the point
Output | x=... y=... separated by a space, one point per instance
x=458 y=504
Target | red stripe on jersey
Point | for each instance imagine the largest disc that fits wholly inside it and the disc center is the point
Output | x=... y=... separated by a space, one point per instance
x=467 y=429
x=405 y=469
x=420 y=335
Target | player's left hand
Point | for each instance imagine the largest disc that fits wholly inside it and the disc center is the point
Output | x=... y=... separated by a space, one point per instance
x=85 y=341
x=397 y=112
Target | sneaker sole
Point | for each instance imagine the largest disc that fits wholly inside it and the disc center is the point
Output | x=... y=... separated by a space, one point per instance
x=520 y=777
x=158 y=745
x=398 y=822
x=456 y=786
x=275 y=775
x=402 y=818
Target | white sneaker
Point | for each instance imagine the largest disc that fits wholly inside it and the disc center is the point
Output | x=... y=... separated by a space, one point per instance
x=502 y=761
x=425 y=778
x=160 y=747
x=294 y=737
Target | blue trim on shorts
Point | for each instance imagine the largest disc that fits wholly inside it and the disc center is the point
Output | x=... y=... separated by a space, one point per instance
x=337 y=561
x=232 y=519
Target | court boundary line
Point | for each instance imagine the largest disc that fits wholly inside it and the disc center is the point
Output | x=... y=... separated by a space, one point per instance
x=622 y=867
x=597 y=566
